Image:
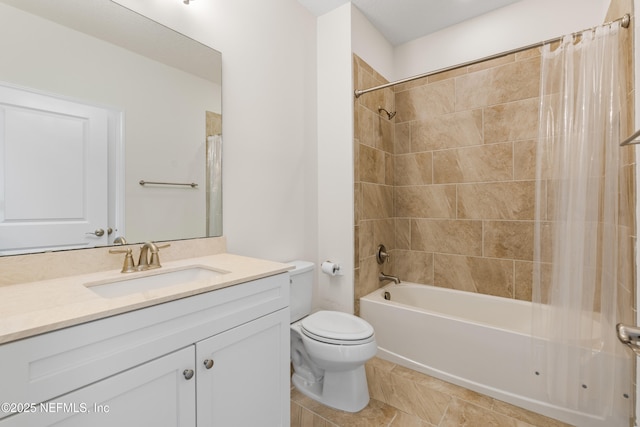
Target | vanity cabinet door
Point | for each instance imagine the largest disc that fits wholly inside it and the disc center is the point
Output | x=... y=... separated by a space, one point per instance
x=243 y=375
x=156 y=394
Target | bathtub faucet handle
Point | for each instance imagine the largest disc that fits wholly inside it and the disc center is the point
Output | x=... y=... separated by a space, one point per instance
x=382 y=255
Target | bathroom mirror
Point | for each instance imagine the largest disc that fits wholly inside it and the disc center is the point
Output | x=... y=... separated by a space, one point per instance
x=155 y=96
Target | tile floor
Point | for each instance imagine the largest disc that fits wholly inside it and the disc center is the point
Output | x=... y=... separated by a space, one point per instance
x=401 y=397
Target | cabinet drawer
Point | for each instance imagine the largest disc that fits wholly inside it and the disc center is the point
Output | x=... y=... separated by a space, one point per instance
x=40 y=368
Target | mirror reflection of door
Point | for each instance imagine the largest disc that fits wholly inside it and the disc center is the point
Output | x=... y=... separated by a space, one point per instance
x=53 y=173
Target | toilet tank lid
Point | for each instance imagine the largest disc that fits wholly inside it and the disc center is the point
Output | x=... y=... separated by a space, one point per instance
x=300 y=267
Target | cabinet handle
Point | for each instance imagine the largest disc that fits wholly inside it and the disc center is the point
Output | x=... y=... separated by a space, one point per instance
x=208 y=363
x=188 y=373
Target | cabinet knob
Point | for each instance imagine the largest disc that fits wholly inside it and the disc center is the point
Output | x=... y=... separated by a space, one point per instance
x=188 y=373
x=208 y=363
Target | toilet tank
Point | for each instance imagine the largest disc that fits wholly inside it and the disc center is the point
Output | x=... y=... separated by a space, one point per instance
x=301 y=289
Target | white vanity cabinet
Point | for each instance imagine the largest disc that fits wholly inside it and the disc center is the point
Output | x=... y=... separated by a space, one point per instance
x=216 y=359
x=245 y=362
x=152 y=394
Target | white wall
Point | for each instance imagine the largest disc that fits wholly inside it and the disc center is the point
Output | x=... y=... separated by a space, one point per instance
x=269 y=117
x=520 y=24
x=335 y=158
x=368 y=42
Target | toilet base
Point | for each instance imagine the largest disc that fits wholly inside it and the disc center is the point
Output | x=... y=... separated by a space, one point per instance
x=343 y=390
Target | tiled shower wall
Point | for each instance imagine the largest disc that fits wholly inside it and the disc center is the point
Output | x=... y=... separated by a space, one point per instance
x=448 y=184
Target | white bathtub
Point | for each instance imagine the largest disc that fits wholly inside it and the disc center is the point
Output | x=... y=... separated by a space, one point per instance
x=476 y=341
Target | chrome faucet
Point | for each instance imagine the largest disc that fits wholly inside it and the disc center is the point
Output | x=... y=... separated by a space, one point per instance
x=382 y=277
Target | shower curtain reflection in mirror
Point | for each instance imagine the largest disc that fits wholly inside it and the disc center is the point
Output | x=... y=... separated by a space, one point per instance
x=214 y=185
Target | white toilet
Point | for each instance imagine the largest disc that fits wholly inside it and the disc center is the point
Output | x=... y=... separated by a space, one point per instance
x=328 y=348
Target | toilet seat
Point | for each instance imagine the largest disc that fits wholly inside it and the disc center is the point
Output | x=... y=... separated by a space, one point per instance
x=335 y=327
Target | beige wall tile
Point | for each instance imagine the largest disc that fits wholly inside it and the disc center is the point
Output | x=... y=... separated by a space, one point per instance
x=496 y=105
x=425 y=201
x=497 y=200
x=384 y=131
x=484 y=65
x=356 y=160
x=370 y=100
x=389 y=170
x=448 y=74
x=524 y=160
x=403 y=233
x=413 y=266
x=371 y=165
x=474 y=274
x=447 y=236
x=512 y=121
x=374 y=233
x=368 y=280
x=474 y=164
x=529 y=53
x=425 y=101
x=213 y=123
x=377 y=201
x=627 y=197
x=442 y=131
x=508 y=239
x=410 y=85
x=413 y=169
x=365 y=126
x=356 y=250
x=505 y=83
x=357 y=201
x=402 y=138
x=523 y=278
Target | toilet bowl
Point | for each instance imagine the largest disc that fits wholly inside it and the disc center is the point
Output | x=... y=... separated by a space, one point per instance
x=328 y=350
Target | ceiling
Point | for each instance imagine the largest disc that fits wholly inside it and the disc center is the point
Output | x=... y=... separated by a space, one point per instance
x=403 y=20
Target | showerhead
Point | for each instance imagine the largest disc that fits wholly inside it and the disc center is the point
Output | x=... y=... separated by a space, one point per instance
x=389 y=115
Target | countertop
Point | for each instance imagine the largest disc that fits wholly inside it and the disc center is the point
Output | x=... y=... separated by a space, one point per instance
x=28 y=309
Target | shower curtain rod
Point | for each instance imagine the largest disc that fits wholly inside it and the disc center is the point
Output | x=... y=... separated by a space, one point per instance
x=624 y=22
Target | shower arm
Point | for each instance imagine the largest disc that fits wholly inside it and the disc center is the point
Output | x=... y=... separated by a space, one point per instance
x=390 y=115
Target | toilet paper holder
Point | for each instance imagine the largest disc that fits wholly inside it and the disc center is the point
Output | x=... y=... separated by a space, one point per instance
x=331 y=268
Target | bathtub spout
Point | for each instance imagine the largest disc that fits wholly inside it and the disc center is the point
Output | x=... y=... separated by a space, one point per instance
x=382 y=277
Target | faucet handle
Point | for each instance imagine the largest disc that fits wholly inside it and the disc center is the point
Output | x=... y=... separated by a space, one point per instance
x=154 y=260
x=120 y=240
x=128 y=266
x=382 y=255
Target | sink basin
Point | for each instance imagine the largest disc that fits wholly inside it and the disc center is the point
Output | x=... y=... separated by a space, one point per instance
x=158 y=280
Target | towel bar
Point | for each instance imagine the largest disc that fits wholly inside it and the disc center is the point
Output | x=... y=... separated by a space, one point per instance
x=192 y=184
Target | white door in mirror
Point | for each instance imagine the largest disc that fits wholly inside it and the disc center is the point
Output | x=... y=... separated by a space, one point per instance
x=53 y=172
